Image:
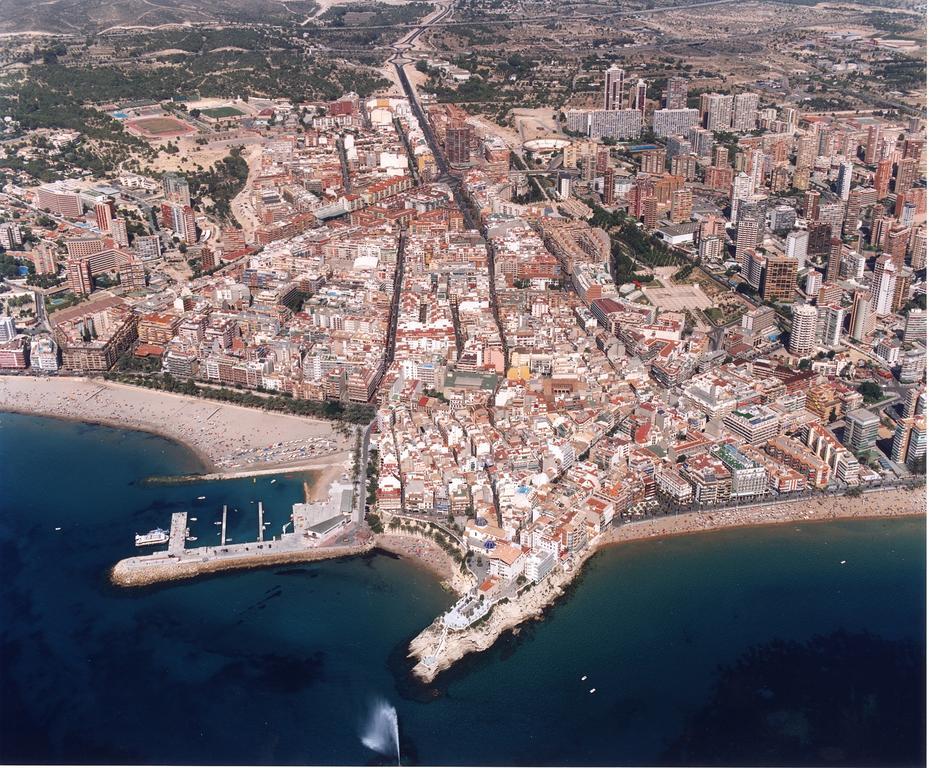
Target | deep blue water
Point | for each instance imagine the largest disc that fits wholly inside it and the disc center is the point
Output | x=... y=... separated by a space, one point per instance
x=741 y=647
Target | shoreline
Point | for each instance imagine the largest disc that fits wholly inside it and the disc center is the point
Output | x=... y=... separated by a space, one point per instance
x=533 y=604
x=227 y=440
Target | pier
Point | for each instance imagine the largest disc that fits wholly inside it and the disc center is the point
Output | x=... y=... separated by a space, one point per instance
x=178 y=533
x=222 y=535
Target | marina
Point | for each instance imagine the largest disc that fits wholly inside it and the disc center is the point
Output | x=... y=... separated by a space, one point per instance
x=310 y=533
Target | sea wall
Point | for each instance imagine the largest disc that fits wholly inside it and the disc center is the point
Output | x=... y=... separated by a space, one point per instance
x=142 y=571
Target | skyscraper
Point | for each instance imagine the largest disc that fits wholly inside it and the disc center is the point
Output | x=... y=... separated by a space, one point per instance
x=176 y=189
x=458 y=144
x=833 y=321
x=860 y=430
x=844 y=182
x=802 y=329
x=640 y=95
x=883 y=284
x=796 y=246
x=834 y=261
x=780 y=278
x=872 y=147
x=915 y=330
x=744 y=112
x=676 y=93
x=716 y=111
x=862 y=318
x=882 y=178
x=614 y=88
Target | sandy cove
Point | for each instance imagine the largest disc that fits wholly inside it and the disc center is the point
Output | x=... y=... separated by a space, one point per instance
x=230 y=440
x=423 y=551
x=533 y=602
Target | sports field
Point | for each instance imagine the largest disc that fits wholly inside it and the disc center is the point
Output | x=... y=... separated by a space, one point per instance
x=159 y=127
x=218 y=113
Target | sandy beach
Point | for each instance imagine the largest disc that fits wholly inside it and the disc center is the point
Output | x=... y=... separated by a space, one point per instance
x=228 y=439
x=532 y=604
x=425 y=552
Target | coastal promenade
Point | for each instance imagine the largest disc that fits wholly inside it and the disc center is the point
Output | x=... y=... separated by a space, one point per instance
x=230 y=440
x=436 y=648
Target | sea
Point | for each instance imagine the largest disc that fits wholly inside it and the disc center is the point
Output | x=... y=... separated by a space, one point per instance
x=784 y=645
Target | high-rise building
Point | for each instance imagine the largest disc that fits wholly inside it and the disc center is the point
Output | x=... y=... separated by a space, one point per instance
x=915 y=330
x=862 y=318
x=748 y=234
x=744 y=112
x=833 y=322
x=895 y=243
x=119 y=232
x=675 y=96
x=57 y=198
x=614 y=88
x=811 y=205
x=682 y=203
x=918 y=250
x=180 y=219
x=812 y=283
x=458 y=145
x=104 y=212
x=906 y=175
x=882 y=178
x=80 y=282
x=883 y=283
x=779 y=280
x=860 y=430
x=833 y=214
x=11 y=235
x=844 y=182
x=901 y=440
x=872 y=147
x=609 y=186
x=701 y=140
x=7 y=329
x=640 y=96
x=673 y=122
x=716 y=111
x=742 y=189
x=806 y=151
x=802 y=329
x=686 y=166
x=796 y=246
x=834 y=260
x=176 y=189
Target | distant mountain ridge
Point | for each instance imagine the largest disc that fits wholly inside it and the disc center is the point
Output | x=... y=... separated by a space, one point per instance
x=91 y=16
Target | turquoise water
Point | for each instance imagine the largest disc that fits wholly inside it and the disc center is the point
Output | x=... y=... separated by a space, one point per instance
x=741 y=647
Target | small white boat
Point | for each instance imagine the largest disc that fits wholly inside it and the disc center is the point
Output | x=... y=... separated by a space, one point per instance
x=58 y=529
x=592 y=690
x=191 y=538
x=274 y=480
x=583 y=678
x=155 y=536
x=842 y=562
x=193 y=519
x=201 y=498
